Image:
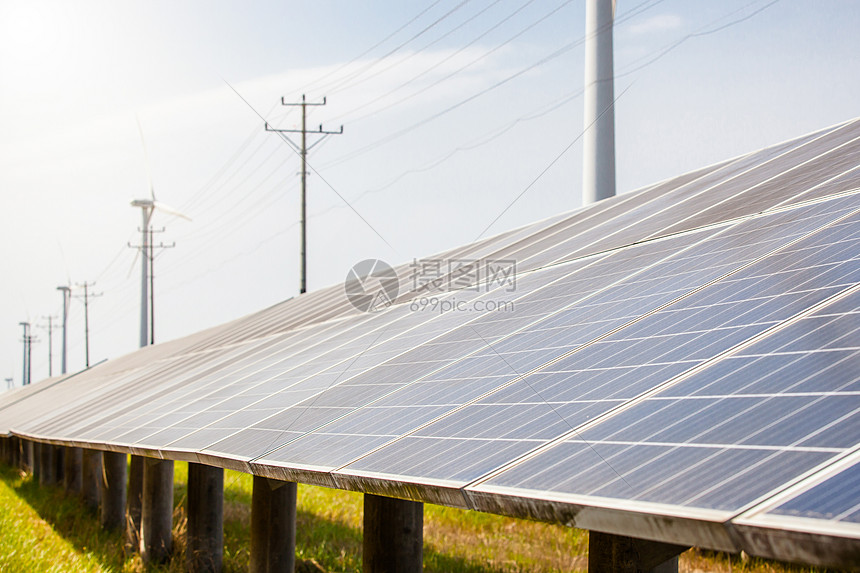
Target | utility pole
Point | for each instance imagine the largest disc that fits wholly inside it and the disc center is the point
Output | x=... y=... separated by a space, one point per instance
x=147 y=250
x=9 y=383
x=67 y=291
x=87 y=296
x=303 y=152
x=50 y=344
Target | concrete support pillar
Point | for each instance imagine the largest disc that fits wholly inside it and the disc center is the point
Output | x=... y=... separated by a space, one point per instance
x=112 y=490
x=618 y=554
x=156 y=519
x=29 y=450
x=393 y=535
x=134 y=503
x=59 y=464
x=205 y=537
x=36 y=461
x=91 y=475
x=47 y=465
x=273 y=526
x=73 y=470
x=16 y=453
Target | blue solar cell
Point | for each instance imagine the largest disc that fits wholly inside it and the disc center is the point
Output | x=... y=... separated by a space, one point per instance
x=729 y=433
x=647 y=353
x=834 y=499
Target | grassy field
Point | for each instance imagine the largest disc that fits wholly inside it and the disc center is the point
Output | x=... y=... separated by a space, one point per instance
x=43 y=529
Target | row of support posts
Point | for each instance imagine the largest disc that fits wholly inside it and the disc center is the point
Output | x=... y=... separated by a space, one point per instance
x=143 y=494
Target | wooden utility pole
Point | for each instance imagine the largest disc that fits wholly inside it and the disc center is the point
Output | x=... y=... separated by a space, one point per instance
x=303 y=153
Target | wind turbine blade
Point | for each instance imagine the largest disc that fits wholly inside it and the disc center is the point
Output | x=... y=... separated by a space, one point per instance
x=169 y=210
x=146 y=157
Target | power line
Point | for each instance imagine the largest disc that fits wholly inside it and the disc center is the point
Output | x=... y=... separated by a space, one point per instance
x=448 y=58
x=306 y=87
x=648 y=4
x=551 y=163
x=701 y=31
x=422 y=49
x=637 y=10
x=335 y=85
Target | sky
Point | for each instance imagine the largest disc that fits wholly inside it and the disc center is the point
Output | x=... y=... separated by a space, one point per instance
x=450 y=109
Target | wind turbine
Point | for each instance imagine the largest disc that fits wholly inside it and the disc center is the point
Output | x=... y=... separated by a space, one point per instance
x=147 y=207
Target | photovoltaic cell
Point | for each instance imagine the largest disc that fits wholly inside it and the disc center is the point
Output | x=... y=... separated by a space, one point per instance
x=727 y=435
x=444 y=340
x=74 y=406
x=835 y=499
x=848 y=181
x=581 y=385
x=143 y=400
x=791 y=175
x=437 y=387
x=290 y=377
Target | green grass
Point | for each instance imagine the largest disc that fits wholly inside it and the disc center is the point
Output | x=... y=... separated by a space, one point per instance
x=43 y=529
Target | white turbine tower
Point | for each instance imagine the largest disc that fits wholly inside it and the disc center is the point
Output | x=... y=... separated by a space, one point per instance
x=598 y=169
x=147 y=207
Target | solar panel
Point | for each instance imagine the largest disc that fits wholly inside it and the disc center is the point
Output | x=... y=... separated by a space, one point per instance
x=836 y=498
x=434 y=343
x=224 y=389
x=561 y=287
x=726 y=437
x=786 y=176
x=848 y=181
x=820 y=514
x=575 y=388
x=815 y=521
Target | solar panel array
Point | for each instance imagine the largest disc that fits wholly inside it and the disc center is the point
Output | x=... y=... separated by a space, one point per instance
x=680 y=363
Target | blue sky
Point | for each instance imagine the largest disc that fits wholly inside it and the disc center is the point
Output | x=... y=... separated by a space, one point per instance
x=450 y=109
